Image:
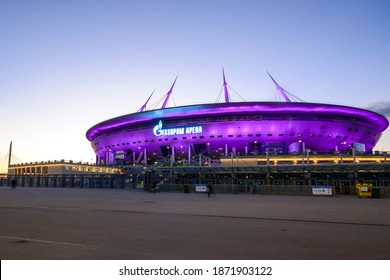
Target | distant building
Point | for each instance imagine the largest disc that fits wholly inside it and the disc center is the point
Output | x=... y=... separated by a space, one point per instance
x=61 y=167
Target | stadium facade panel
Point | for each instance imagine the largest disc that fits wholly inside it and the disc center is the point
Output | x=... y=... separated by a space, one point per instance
x=234 y=128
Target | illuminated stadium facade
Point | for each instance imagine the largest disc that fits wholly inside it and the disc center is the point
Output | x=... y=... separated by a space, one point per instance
x=187 y=134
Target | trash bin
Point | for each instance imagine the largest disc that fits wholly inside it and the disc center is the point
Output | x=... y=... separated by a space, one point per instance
x=376 y=193
x=186 y=189
x=364 y=190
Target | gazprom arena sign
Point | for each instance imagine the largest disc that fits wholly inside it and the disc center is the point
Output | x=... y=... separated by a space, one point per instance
x=158 y=130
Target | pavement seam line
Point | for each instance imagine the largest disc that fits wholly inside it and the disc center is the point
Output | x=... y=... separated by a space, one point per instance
x=41 y=241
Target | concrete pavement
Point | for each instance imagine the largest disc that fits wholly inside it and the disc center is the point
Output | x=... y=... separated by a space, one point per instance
x=55 y=223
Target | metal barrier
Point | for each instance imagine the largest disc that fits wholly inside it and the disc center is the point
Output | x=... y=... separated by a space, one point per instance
x=257 y=183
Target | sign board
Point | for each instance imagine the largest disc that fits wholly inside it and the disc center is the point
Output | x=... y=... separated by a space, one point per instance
x=158 y=130
x=119 y=155
x=322 y=190
x=201 y=188
x=359 y=147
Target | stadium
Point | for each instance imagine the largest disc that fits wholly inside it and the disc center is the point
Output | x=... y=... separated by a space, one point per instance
x=204 y=134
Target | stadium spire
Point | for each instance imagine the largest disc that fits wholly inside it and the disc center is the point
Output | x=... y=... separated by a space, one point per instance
x=143 y=108
x=168 y=95
x=279 y=89
x=225 y=89
x=10 y=155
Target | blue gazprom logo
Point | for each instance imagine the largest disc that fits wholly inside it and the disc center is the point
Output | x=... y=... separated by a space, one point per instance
x=158 y=130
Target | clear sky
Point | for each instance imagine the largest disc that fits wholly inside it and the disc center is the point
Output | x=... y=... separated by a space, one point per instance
x=68 y=65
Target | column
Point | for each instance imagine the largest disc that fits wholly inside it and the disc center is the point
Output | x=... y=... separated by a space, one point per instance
x=267 y=156
x=189 y=154
x=173 y=154
x=226 y=150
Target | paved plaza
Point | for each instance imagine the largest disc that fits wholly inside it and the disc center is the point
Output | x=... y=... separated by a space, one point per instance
x=65 y=223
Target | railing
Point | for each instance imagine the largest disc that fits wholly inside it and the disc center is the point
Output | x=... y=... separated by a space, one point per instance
x=257 y=183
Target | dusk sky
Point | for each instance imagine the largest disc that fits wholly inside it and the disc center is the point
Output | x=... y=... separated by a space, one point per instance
x=68 y=65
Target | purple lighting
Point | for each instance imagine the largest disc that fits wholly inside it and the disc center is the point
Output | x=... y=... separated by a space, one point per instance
x=242 y=128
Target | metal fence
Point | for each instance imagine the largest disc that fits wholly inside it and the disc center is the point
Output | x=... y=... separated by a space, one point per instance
x=167 y=183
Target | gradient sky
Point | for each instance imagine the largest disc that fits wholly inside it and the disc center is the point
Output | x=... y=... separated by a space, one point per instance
x=67 y=65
